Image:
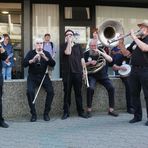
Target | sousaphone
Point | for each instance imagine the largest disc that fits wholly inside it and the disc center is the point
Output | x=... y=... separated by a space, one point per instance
x=108 y=30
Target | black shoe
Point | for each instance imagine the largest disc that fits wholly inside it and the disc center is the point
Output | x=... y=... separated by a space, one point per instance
x=134 y=120
x=83 y=115
x=130 y=111
x=113 y=113
x=146 y=123
x=65 y=116
x=46 y=117
x=33 y=118
x=89 y=114
x=4 y=124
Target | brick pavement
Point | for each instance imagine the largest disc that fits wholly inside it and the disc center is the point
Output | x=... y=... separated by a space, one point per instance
x=100 y=131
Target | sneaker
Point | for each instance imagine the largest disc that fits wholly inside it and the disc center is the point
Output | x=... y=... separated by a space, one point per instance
x=113 y=113
x=89 y=114
x=4 y=124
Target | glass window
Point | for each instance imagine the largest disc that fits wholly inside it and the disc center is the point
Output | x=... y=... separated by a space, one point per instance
x=77 y=13
x=46 y=20
x=10 y=23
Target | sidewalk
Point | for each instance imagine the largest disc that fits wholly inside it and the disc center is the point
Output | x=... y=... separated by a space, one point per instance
x=100 y=131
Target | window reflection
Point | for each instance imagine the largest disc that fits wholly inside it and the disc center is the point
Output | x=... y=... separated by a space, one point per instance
x=10 y=23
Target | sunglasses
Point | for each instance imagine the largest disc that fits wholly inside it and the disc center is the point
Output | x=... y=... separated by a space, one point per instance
x=39 y=43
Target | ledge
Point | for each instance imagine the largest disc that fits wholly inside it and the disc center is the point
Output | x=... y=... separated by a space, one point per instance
x=15 y=102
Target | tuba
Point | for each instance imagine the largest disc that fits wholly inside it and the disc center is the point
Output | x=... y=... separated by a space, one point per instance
x=108 y=30
x=101 y=62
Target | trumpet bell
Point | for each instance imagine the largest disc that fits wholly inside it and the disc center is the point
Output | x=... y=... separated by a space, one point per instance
x=108 y=30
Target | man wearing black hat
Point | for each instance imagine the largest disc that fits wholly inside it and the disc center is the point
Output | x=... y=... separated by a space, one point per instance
x=72 y=71
x=139 y=71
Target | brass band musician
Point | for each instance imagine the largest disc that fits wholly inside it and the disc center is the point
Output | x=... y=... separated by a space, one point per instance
x=72 y=71
x=139 y=70
x=120 y=56
x=100 y=76
x=37 y=60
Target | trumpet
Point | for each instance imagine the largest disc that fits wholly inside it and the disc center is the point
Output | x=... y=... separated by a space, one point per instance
x=137 y=33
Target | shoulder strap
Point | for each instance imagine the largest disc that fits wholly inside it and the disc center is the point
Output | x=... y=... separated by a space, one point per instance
x=51 y=45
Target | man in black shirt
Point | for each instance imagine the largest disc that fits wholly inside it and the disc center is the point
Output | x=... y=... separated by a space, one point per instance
x=72 y=64
x=139 y=71
x=91 y=57
x=3 y=56
x=37 y=60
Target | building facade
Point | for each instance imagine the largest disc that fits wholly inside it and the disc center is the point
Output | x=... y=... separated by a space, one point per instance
x=24 y=20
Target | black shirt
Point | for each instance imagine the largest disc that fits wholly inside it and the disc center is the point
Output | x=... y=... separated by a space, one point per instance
x=139 y=58
x=35 y=68
x=71 y=63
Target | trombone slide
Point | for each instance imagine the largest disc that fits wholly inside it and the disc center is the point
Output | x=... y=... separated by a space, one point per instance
x=87 y=82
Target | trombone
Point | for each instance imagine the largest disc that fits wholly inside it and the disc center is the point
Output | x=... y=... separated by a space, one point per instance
x=110 y=31
x=86 y=78
x=137 y=33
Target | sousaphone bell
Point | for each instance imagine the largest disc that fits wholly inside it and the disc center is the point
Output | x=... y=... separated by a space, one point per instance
x=109 y=30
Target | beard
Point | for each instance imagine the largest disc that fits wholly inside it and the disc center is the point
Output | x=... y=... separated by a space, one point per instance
x=93 y=53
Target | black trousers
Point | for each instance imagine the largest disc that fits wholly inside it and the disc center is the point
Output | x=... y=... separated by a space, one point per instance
x=73 y=80
x=138 y=80
x=106 y=82
x=125 y=80
x=32 y=82
x=1 y=117
x=1 y=92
